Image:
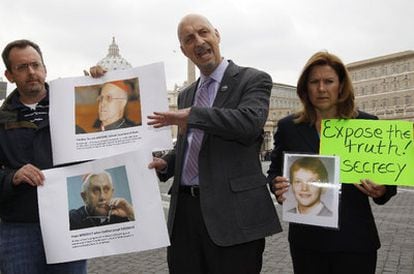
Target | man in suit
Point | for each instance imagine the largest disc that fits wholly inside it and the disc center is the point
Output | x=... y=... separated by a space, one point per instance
x=220 y=208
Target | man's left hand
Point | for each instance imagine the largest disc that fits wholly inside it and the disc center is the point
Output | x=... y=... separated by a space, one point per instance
x=178 y=118
x=95 y=72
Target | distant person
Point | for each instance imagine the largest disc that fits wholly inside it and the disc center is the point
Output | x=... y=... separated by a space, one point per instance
x=25 y=150
x=325 y=90
x=112 y=106
x=100 y=207
x=306 y=175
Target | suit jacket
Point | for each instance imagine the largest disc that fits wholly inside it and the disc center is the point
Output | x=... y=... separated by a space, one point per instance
x=357 y=230
x=235 y=202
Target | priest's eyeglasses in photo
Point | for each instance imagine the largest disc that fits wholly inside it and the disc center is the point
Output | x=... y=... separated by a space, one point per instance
x=109 y=98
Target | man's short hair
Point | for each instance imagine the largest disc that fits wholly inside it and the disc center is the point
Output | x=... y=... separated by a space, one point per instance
x=313 y=164
x=21 y=44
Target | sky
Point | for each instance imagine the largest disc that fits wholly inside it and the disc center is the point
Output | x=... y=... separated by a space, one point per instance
x=271 y=35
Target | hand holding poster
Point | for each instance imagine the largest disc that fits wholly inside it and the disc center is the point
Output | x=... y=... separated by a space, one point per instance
x=99 y=208
x=380 y=150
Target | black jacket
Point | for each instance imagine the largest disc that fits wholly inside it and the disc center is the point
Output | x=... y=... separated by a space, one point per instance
x=21 y=142
x=121 y=123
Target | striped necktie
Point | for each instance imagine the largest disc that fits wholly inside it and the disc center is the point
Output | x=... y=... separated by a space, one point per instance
x=190 y=170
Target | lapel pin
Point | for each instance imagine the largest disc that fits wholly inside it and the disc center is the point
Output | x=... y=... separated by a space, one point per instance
x=224 y=88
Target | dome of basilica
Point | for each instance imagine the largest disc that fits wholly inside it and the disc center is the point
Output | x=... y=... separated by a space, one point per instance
x=114 y=61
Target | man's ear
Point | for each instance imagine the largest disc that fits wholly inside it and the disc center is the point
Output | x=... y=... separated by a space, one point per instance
x=217 y=34
x=9 y=76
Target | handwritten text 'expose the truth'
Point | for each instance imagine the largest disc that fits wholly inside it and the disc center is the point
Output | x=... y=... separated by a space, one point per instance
x=391 y=142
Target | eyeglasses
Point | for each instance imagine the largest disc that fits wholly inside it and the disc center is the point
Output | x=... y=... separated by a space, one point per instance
x=25 y=67
x=109 y=98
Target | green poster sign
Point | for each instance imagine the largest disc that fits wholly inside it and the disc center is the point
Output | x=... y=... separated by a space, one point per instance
x=379 y=150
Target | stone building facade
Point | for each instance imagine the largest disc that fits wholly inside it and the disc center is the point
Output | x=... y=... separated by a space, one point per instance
x=384 y=85
x=283 y=101
x=172 y=105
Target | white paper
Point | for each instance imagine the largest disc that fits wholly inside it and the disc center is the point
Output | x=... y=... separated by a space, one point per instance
x=67 y=97
x=132 y=180
x=322 y=211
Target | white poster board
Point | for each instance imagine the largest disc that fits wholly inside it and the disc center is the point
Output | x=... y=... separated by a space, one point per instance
x=77 y=108
x=313 y=195
x=62 y=209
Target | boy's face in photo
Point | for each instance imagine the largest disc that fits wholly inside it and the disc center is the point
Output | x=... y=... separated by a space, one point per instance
x=307 y=194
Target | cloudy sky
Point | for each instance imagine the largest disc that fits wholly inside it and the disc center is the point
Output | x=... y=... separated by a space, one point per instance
x=272 y=35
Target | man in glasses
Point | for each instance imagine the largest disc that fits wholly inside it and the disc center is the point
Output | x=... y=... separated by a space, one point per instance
x=100 y=207
x=25 y=149
x=112 y=103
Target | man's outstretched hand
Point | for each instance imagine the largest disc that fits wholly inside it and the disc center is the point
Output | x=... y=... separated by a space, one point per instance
x=178 y=118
